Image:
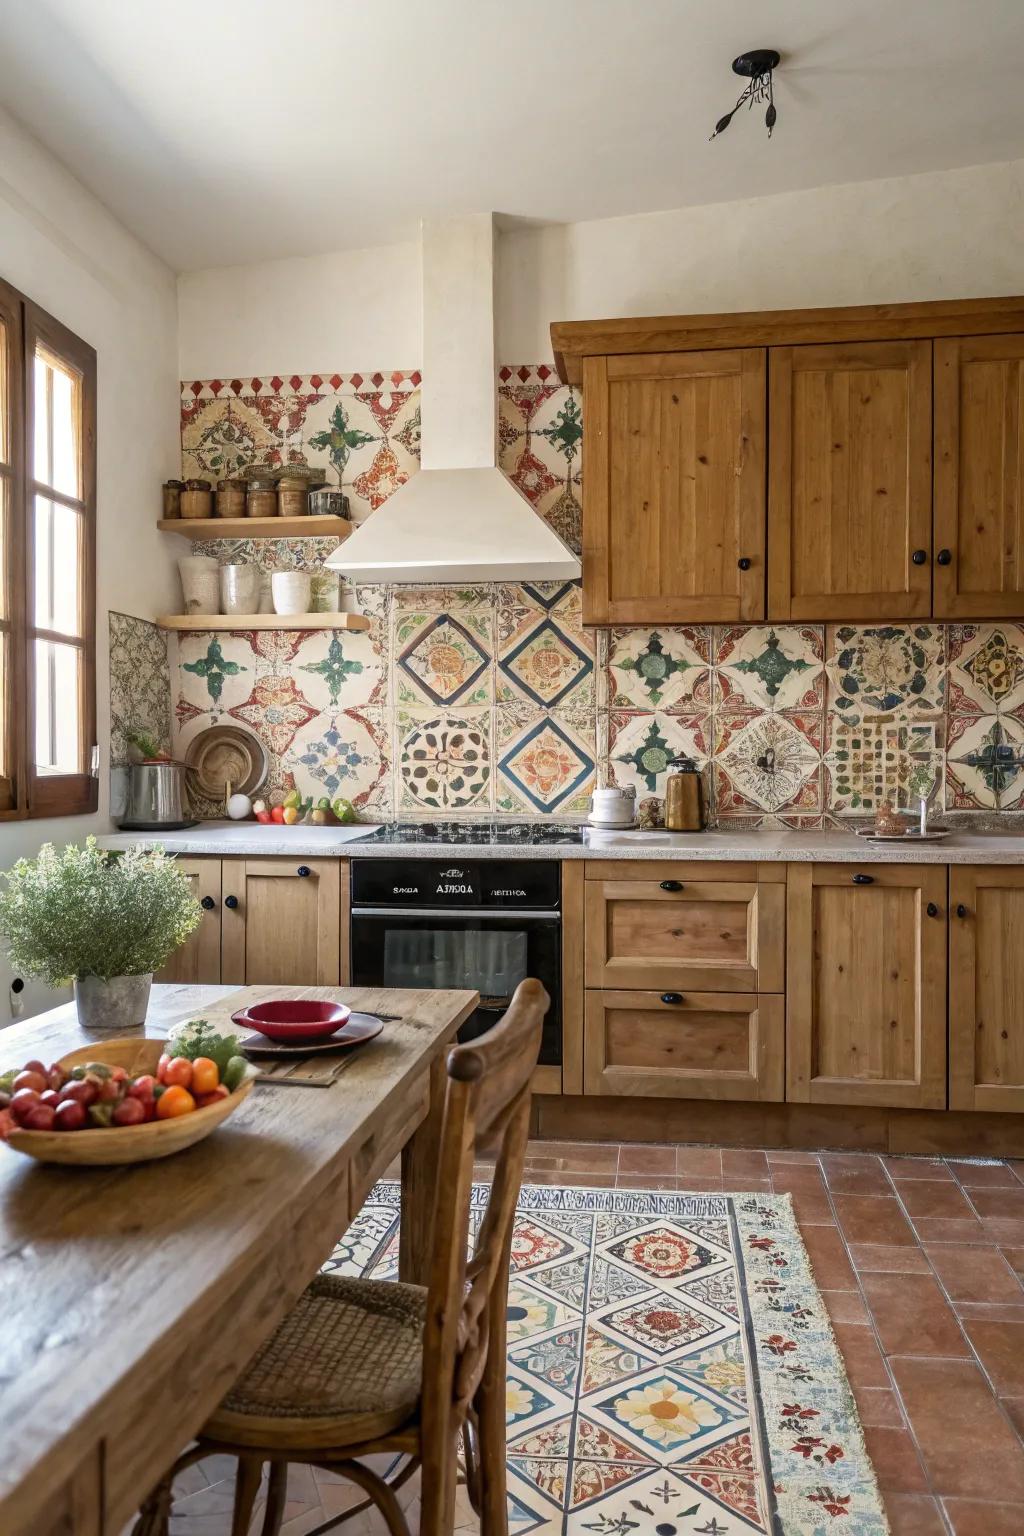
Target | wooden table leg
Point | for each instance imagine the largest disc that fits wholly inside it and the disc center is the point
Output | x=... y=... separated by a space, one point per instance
x=420 y=1159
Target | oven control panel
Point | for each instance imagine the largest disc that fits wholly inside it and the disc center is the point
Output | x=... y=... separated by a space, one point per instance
x=528 y=883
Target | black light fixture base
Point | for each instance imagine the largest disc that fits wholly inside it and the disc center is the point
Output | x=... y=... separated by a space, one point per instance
x=758 y=61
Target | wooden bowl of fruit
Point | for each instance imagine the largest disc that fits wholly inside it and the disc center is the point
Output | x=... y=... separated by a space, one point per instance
x=120 y=1101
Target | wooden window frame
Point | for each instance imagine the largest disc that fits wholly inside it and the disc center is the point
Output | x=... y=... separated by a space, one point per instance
x=24 y=793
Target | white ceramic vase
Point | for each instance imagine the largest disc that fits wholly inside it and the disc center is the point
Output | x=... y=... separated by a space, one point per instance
x=291 y=591
x=200 y=584
x=239 y=589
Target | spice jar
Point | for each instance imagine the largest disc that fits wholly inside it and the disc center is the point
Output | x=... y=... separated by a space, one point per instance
x=292 y=496
x=197 y=499
x=172 y=498
x=262 y=499
x=230 y=501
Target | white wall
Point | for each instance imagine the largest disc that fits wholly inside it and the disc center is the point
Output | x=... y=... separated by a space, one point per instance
x=62 y=248
x=349 y=310
x=948 y=234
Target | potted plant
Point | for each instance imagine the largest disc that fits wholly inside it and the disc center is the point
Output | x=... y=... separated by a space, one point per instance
x=103 y=921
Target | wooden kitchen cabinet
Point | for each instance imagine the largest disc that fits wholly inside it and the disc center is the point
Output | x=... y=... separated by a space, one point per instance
x=281 y=922
x=849 y=481
x=198 y=959
x=986 y=988
x=694 y=1045
x=979 y=477
x=866 y=985
x=674 y=469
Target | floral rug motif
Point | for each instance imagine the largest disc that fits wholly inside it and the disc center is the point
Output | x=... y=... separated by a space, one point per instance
x=671 y=1367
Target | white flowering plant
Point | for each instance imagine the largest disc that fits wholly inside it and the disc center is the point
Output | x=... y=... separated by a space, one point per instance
x=79 y=911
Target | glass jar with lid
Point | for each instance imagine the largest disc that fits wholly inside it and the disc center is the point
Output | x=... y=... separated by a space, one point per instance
x=261 y=500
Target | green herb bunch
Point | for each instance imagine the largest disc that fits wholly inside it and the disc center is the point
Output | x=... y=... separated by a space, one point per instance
x=83 y=912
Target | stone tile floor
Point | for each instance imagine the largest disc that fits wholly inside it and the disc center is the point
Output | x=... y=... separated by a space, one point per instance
x=921 y=1263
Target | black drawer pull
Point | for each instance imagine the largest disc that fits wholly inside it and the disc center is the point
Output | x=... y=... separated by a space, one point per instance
x=961 y=910
x=932 y=909
x=675 y=998
x=743 y=563
x=231 y=902
x=207 y=903
x=304 y=870
x=671 y=885
x=863 y=879
x=943 y=557
x=919 y=556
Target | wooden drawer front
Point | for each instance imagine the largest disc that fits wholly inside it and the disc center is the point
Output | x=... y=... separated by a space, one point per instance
x=710 y=1045
x=986 y=988
x=394 y=1125
x=725 y=936
x=706 y=871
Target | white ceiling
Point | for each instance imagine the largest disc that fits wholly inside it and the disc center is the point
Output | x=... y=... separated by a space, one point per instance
x=226 y=131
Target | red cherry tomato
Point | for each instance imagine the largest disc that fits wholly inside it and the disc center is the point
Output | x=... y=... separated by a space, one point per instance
x=23 y=1102
x=178 y=1072
x=142 y=1088
x=129 y=1112
x=218 y=1093
x=205 y=1076
x=277 y=815
x=28 y=1077
x=70 y=1116
x=162 y=1066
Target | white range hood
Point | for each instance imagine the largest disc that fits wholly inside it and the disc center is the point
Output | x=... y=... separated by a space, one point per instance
x=459 y=519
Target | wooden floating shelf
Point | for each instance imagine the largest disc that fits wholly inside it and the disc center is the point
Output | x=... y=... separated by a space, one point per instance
x=237 y=622
x=205 y=528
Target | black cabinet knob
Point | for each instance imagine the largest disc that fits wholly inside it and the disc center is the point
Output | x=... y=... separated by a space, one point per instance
x=672 y=885
x=304 y=870
x=944 y=557
x=675 y=998
x=932 y=909
x=961 y=910
x=863 y=879
x=919 y=556
x=207 y=903
x=231 y=902
x=744 y=563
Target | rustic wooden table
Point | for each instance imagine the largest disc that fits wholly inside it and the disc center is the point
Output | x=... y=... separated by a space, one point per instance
x=131 y=1298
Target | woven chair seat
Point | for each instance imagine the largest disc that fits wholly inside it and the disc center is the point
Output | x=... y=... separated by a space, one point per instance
x=347 y=1360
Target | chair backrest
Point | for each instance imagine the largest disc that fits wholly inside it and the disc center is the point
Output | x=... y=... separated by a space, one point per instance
x=487 y=1109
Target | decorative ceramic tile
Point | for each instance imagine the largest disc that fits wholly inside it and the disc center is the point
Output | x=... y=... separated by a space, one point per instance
x=986 y=668
x=441 y=658
x=767 y=762
x=215 y=672
x=341 y=753
x=770 y=668
x=642 y=747
x=540 y=431
x=543 y=660
x=563 y=598
x=275 y=710
x=445 y=760
x=874 y=760
x=140 y=684
x=545 y=761
x=985 y=763
x=404 y=381
x=340 y=668
x=886 y=668
x=441 y=598
x=665 y=668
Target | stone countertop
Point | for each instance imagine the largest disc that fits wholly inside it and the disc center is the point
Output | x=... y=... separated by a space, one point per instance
x=251 y=840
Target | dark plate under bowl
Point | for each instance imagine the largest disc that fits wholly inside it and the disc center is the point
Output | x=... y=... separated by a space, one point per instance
x=293 y=1019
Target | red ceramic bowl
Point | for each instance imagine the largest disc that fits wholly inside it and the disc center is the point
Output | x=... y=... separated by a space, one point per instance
x=293 y=1018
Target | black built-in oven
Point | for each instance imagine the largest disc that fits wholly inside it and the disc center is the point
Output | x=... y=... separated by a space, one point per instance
x=482 y=924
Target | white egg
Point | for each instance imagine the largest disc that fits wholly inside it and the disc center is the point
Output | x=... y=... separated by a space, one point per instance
x=239 y=807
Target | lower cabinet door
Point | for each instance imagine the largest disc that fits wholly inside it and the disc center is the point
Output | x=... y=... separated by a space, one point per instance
x=866 y=985
x=198 y=959
x=693 y=1045
x=986 y=988
x=282 y=922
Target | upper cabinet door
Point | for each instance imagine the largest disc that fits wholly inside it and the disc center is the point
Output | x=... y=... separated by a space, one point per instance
x=673 y=484
x=849 y=499
x=979 y=477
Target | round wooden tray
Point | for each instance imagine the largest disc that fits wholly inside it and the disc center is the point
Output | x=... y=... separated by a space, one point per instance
x=227 y=752
x=124 y=1144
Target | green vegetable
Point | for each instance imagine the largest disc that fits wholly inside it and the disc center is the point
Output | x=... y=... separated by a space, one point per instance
x=199 y=1038
x=101 y=1115
x=97 y=1069
x=7 y=1082
x=234 y=1073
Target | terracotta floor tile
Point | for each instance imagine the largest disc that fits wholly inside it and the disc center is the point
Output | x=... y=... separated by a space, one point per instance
x=977 y=1517
x=742 y=1183
x=923 y=1198
x=1013 y=1407
x=1002 y=1204
x=975 y=1274
x=789 y=1177
x=591 y=1156
x=895 y=1460
x=705 y=1161
x=853 y=1173
x=1007 y=1233
x=915 y=1168
x=872 y=1219
x=845 y=1307
x=1015 y=1258
x=879 y=1405
x=883 y=1258
x=983 y=1175
x=914 y=1514
x=950 y=1229
x=570 y=1177
x=827 y=1253
x=810 y=1209
x=913 y=1317
x=990 y=1311
x=784 y=1155
x=739 y=1162
x=664 y=1181
x=1000 y=1347
x=637 y=1158
x=969 y=1449
x=698 y=1185
x=862 y=1357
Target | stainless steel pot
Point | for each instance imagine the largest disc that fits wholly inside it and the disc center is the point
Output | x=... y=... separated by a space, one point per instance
x=156 y=795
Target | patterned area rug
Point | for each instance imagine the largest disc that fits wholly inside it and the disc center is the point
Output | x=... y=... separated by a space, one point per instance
x=671 y=1368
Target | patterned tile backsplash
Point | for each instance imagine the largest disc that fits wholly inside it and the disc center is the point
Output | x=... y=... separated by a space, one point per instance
x=495 y=699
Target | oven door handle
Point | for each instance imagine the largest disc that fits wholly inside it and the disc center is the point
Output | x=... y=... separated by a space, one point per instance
x=498 y=914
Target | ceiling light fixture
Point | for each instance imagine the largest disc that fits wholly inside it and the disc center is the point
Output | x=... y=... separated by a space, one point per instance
x=756 y=66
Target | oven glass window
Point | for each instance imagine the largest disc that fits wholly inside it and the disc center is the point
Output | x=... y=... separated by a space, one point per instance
x=491 y=961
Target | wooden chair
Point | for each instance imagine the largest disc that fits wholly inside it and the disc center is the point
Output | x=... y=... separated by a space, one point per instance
x=366 y=1366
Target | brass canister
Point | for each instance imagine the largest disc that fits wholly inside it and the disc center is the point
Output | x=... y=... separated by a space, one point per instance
x=684 y=797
